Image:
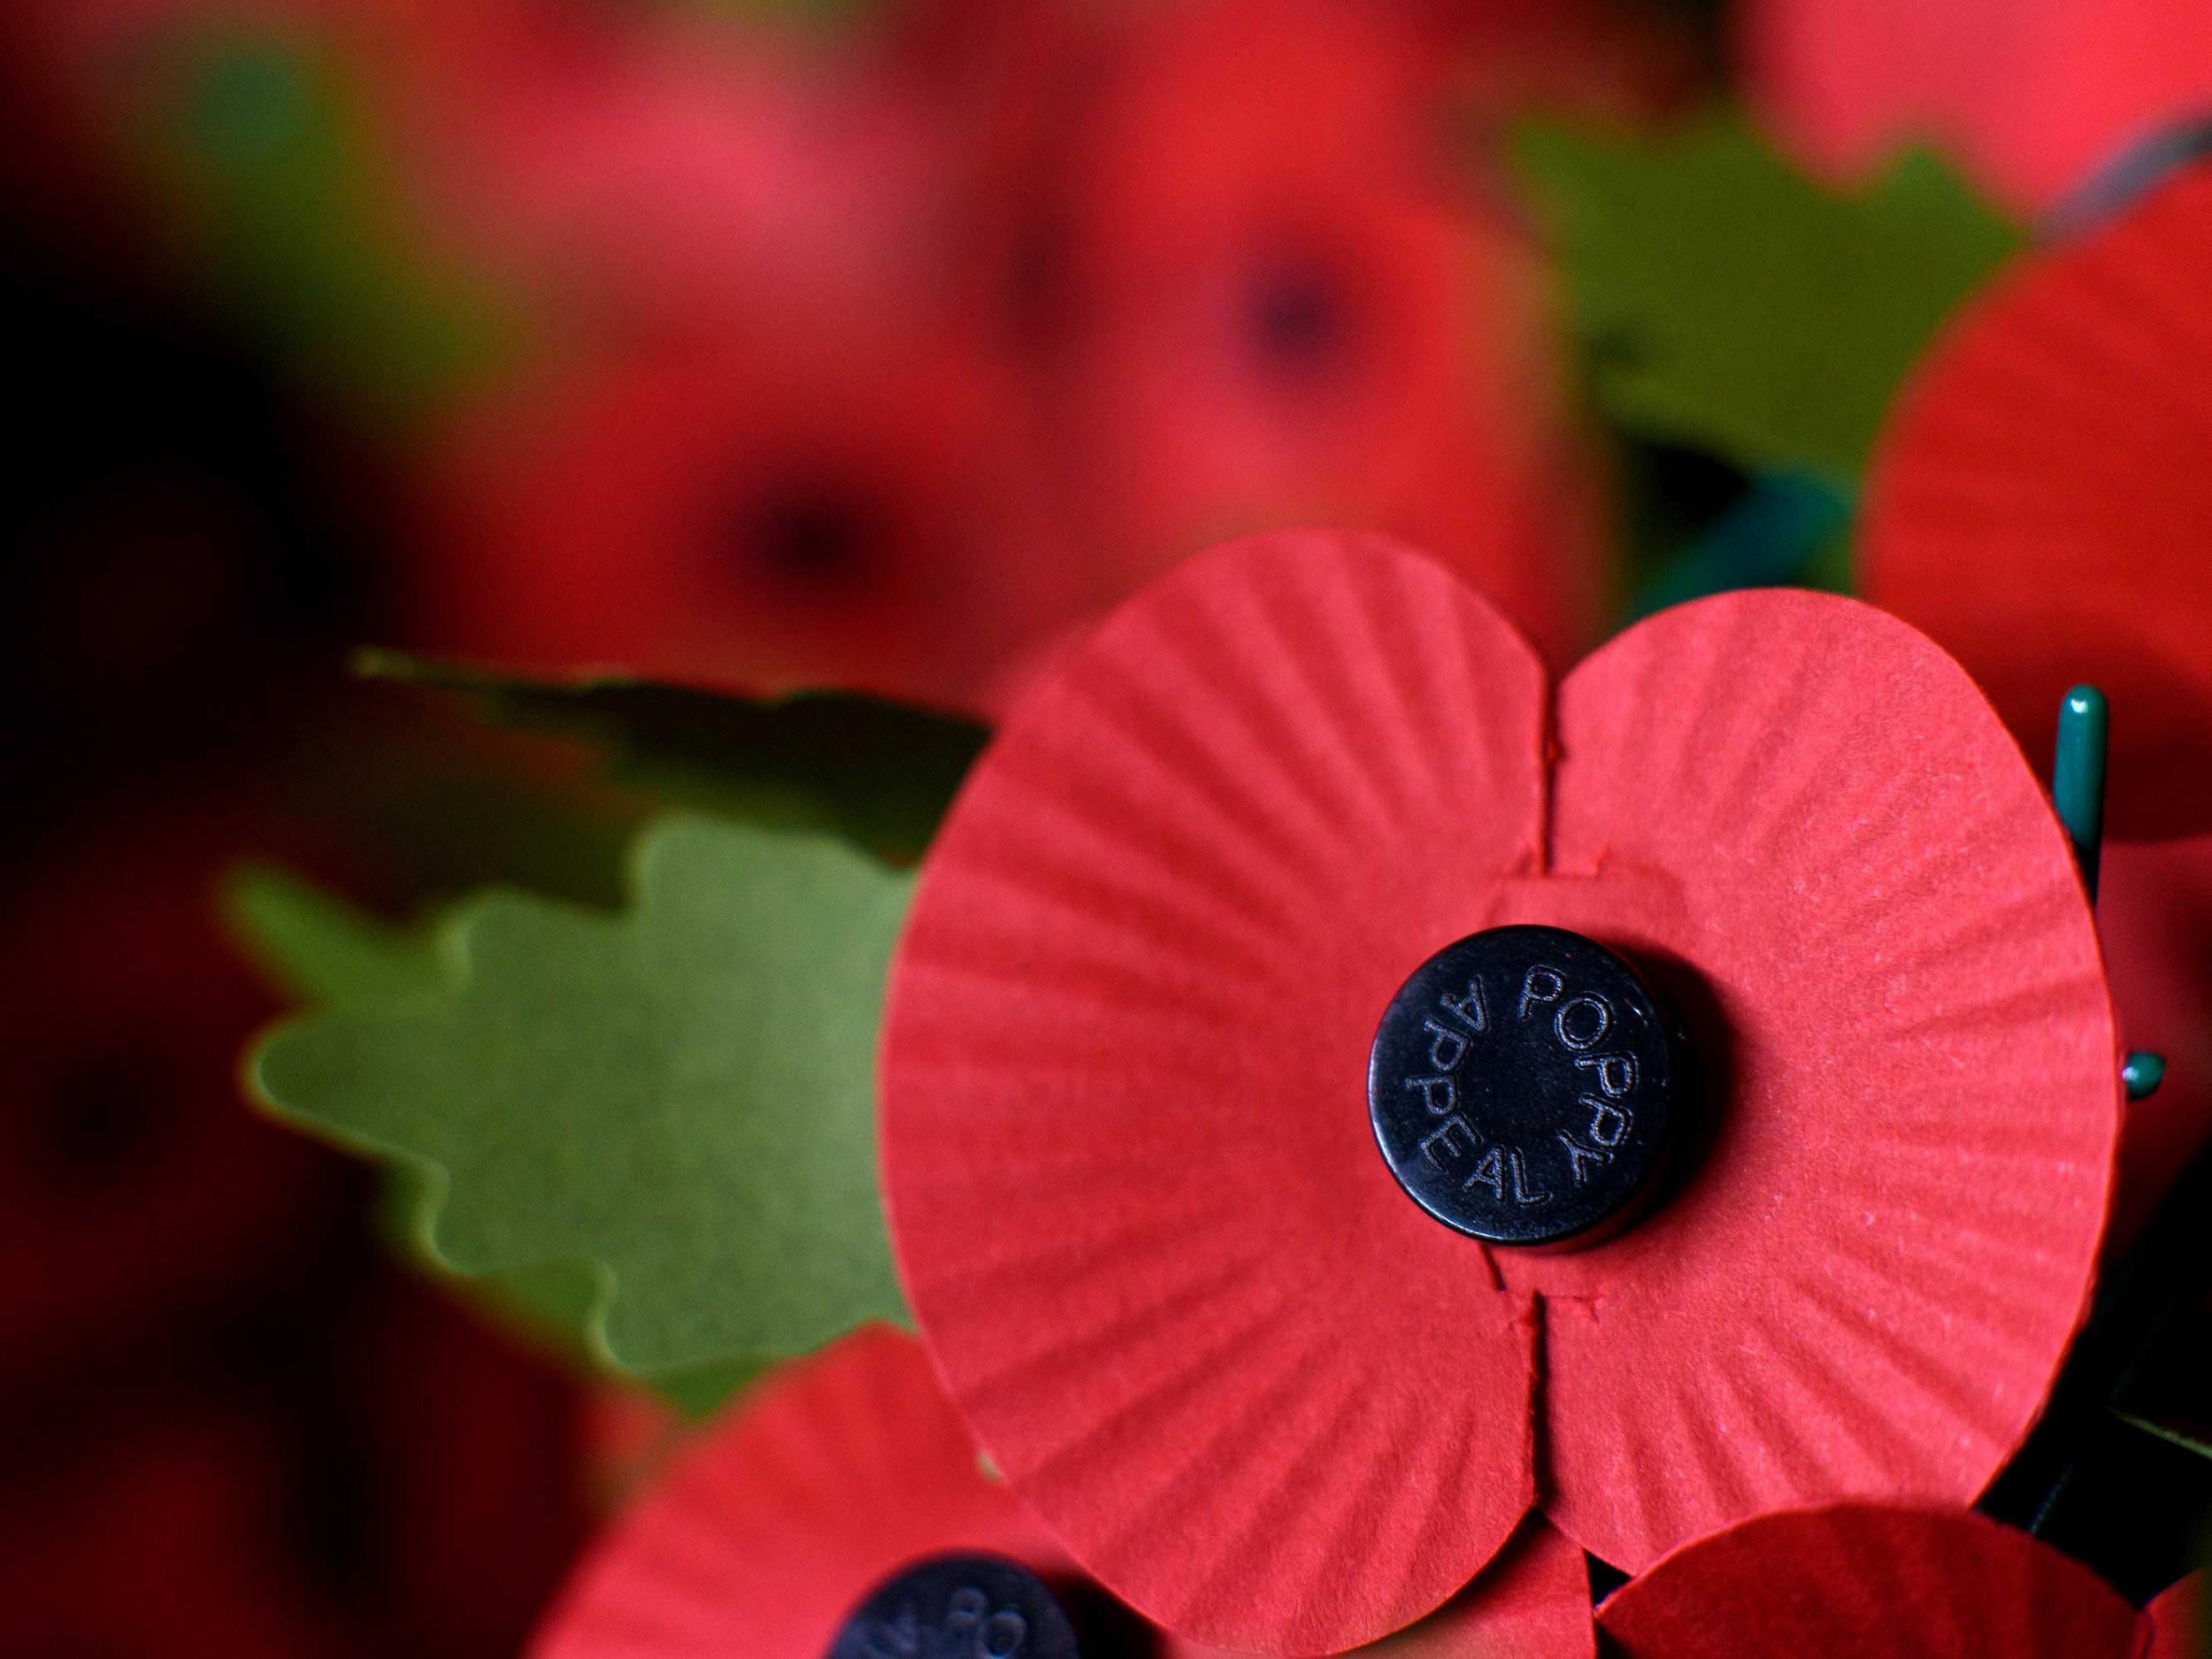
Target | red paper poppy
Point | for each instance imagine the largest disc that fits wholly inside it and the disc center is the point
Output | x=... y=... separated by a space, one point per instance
x=805 y=506
x=1281 y=310
x=2040 y=500
x=1906 y=1584
x=1132 y=1181
x=850 y=1464
x=762 y=1538
x=2032 y=94
x=2040 y=505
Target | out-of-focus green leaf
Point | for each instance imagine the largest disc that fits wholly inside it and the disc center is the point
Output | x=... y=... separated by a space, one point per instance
x=1729 y=302
x=283 y=170
x=676 y=1101
x=321 y=949
x=877 y=772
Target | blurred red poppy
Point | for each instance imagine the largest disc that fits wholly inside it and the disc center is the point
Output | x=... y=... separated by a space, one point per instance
x=136 y=1188
x=2039 y=505
x=471 y=1499
x=1279 y=304
x=2031 y=96
x=847 y=1467
x=666 y=177
x=1133 y=1184
x=2038 y=501
x=176 y=1536
x=1908 y=1583
x=802 y=507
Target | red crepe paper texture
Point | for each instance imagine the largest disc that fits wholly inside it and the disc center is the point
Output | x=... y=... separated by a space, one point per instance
x=1133 y=1188
x=2039 y=502
x=1850 y=1581
x=1280 y=308
x=844 y=1467
x=762 y=1538
x=2033 y=96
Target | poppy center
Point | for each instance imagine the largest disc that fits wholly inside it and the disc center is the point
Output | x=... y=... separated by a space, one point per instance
x=1522 y=1087
x=958 y=1607
x=1298 y=320
x=812 y=531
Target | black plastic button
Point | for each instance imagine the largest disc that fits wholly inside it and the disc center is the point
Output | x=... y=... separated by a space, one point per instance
x=958 y=1607
x=1522 y=1087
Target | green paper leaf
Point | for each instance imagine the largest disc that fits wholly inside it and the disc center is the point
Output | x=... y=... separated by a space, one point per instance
x=878 y=772
x=1729 y=302
x=319 y=949
x=323 y=952
x=679 y=1096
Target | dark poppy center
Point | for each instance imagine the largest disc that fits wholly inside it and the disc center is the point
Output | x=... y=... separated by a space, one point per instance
x=1297 y=316
x=958 y=1607
x=812 y=531
x=101 y=1119
x=1522 y=1087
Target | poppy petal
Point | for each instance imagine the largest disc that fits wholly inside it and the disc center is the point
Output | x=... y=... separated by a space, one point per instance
x=2039 y=503
x=2032 y=94
x=1262 y=1395
x=2177 y=1620
x=1281 y=310
x=1531 y=1602
x=1908 y=1583
x=1186 y=1307
x=1869 y=1277
x=765 y=1535
x=2155 y=908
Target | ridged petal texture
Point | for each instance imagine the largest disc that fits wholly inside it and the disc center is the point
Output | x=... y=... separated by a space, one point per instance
x=1137 y=1199
x=1882 y=1247
x=2041 y=503
x=765 y=1534
x=1870 y=1582
x=1133 y=1188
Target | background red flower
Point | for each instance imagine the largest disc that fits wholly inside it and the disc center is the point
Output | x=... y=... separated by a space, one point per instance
x=2033 y=96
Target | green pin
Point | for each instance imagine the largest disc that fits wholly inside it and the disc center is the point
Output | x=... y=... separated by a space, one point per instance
x=2141 y=1073
x=2078 y=776
x=2078 y=769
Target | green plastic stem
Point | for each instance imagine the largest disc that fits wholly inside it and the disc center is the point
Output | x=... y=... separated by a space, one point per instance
x=2078 y=776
